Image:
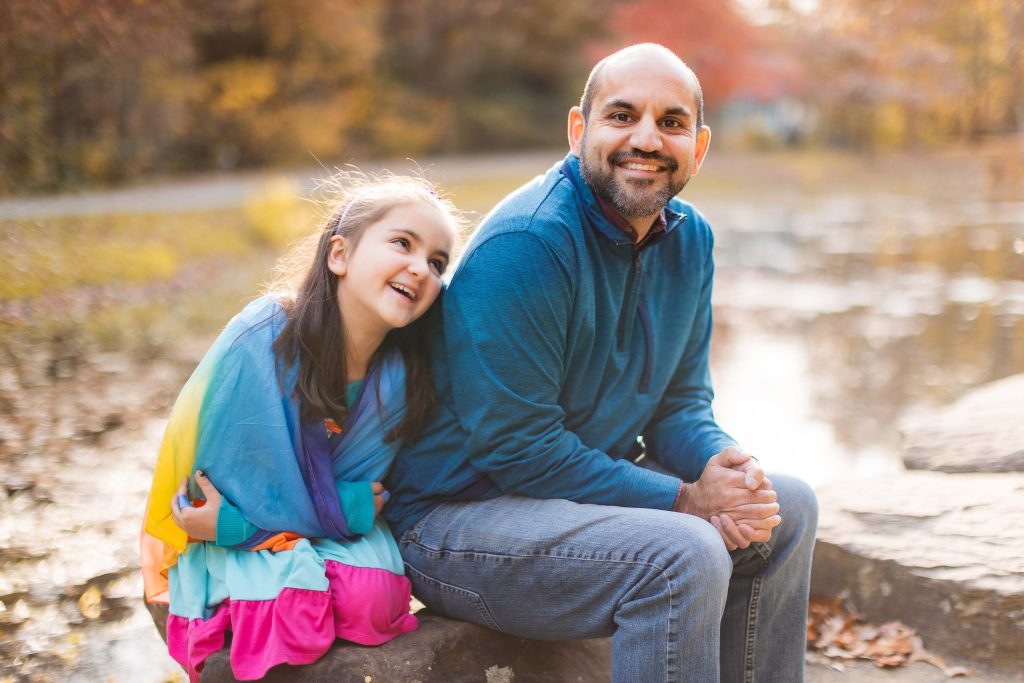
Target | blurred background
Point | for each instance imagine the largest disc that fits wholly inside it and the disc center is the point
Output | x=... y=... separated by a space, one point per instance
x=866 y=185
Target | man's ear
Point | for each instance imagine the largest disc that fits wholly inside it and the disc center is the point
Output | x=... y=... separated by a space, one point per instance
x=337 y=255
x=576 y=126
x=701 y=148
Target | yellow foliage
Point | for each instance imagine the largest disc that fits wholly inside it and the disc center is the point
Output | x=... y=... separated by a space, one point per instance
x=408 y=125
x=277 y=215
x=890 y=129
x=242 y=85
x=57 y=254
x=98 y=264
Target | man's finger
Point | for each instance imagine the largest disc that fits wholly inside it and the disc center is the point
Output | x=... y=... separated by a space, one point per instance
x=732 y=456
x=765 y=524
x=733 y=532
x=753 y=511
x=763 y=497
x=755 y=535
x=754 y=478
x=715 y=522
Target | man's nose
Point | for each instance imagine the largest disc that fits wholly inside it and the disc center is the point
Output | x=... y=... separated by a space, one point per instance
x=646 y=135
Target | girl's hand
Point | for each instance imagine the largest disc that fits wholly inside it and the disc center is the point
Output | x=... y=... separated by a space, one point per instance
x=198 y=522
x=380 y=497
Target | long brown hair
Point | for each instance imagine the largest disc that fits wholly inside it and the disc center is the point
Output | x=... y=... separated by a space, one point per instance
x=313 y=337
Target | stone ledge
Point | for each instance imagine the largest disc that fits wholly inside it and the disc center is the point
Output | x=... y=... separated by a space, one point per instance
x=440 y=651
x=981 y=432
x=940 y=552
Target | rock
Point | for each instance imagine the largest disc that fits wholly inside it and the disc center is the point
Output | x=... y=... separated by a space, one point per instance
x=440 y=651
x=944 y=553
x=981 y=432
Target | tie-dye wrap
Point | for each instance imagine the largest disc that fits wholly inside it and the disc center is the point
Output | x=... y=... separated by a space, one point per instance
x=233 y=421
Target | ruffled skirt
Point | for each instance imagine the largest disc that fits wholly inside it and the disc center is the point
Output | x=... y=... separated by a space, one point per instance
x=283 y=607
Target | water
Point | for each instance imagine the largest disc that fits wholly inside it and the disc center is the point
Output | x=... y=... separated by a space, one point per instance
x=839 y=320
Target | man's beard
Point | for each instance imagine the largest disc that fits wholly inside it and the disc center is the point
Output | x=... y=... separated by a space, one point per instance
x=630 y=202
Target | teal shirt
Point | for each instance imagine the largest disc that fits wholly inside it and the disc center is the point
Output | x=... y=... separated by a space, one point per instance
x=356 y=503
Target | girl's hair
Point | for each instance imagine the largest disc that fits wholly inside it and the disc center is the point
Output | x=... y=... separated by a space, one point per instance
x=314 y=335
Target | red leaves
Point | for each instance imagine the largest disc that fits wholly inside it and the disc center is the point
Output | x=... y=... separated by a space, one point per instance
x=839 y=634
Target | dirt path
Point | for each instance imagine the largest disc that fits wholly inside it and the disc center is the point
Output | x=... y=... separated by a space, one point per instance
x=218 y=191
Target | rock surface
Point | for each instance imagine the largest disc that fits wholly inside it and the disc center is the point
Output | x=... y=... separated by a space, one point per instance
x=981 y=432
x=440 y=651
x=944 y=553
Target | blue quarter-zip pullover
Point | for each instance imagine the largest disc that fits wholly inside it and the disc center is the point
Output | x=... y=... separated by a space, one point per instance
x=561 y=344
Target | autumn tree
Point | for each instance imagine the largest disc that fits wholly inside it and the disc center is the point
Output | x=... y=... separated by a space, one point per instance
x=85 y=91
x=714 y=37
x=918 y=72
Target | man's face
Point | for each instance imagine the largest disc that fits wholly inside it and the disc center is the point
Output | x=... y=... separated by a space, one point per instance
x=640 y=145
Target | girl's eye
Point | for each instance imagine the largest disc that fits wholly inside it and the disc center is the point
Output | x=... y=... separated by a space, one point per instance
x=438 y=265
x=402 y=242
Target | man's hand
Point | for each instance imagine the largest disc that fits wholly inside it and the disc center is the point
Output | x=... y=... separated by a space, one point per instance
x=735 y=496
x=198 y=522
x=739 y=531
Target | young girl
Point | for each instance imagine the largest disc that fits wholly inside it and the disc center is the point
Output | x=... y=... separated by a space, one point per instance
x=288 y=424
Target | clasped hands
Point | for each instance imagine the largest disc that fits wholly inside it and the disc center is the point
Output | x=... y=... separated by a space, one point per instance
x=200 y=522
x=735 y=496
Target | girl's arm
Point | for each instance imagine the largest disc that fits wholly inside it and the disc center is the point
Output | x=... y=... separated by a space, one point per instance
x=219 y=521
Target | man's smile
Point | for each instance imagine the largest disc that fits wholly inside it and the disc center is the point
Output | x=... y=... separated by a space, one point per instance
x=634 y=160
x=642 y=166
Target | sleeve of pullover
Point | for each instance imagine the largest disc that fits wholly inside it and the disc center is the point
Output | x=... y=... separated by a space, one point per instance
x=507 y=314
x=683 y=434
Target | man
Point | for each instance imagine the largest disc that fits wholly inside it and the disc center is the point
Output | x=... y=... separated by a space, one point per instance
x=579 y=320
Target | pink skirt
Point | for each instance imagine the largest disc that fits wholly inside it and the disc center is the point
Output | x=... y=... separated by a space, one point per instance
x=363 y=605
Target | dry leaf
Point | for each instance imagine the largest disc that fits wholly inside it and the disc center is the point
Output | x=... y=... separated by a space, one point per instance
x=835 y=631
x=921 y=655
x=89 y=604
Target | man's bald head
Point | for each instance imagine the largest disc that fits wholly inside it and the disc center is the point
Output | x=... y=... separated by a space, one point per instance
x=641 y=51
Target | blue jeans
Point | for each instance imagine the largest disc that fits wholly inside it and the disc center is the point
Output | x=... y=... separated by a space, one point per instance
x=677 y=604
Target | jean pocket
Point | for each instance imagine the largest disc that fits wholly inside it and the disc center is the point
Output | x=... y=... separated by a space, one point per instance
x=448 y=600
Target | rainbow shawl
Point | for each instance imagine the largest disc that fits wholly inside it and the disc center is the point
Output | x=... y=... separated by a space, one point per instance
x=234 y=421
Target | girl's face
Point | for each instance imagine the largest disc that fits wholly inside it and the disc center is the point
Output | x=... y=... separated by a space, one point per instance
x=394 y=273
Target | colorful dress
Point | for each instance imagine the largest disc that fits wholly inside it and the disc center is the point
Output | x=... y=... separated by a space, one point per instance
x=309 y=574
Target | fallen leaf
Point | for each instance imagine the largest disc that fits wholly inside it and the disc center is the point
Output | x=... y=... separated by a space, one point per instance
x=89 y=604
x=920 y=654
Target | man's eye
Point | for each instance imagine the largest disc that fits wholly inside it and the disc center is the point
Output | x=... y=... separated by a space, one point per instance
x=621 y=117
x=671 y=123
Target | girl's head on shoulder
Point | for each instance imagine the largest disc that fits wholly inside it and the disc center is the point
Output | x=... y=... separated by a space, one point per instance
x=389 y=246
x=373 y=224
x=357 y=287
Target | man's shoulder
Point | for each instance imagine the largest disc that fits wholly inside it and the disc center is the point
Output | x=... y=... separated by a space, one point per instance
x=692 y=227
x=688 y=213
x=545 y=208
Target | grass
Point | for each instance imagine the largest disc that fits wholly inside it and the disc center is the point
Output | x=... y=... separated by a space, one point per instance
x=138 y=283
